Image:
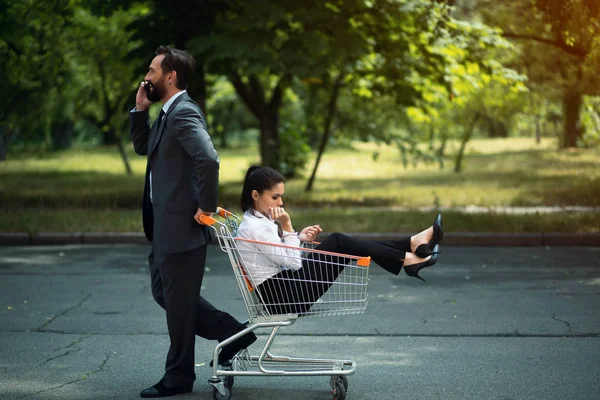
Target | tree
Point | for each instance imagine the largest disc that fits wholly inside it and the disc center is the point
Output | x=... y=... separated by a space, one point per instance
x=31 y=36
x=176 y=23
x=480 y=92
x=566 y=32
x=371 y=48
x=243 y=46
x=61 y=63
x=227 y=115
x=417 y=56
x=105 y=71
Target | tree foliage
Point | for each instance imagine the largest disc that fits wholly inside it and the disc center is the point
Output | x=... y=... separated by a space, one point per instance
x=307 y=74
x=560 y=47
x=34 y=71
x=366 y=49
x=61 y=63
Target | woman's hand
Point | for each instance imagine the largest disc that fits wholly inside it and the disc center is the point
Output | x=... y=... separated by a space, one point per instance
x=280 y=215
x=310 y=233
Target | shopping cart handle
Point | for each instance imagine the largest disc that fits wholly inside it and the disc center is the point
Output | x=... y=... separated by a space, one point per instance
x=208 y=220
x=363 y=262
x=223 y=212
x=204 y=219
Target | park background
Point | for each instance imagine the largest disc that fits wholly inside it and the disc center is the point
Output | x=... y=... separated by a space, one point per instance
x=380 y=113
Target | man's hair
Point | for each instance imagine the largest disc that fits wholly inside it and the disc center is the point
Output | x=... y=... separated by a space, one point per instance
x=179 y=61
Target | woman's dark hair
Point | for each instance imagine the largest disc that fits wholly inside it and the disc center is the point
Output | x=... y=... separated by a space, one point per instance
x=258 y=178
x=179 y=61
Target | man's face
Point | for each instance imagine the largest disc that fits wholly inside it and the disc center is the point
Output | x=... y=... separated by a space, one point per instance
x=156 y=80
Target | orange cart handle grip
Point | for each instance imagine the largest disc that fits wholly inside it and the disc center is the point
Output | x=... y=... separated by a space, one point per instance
x=210 y=221
x=206 y=220
x=223 y=212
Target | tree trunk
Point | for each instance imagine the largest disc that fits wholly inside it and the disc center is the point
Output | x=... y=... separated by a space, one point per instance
x=61 y=134
x=465 y=140
x=572 y=102
x=496 y=128
x=267 y=113
x=225 y=134
x=331 y=108
x=109 y=131
x=2 y=146
x=109 y=135
x=124 y=156
x=543 y=128
x=538 y=131
x=311 y=106
x=441 y=151
x=269 y=140
x=431 y=135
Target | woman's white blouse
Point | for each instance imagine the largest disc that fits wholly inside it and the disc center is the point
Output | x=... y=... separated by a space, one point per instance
x=262 y=261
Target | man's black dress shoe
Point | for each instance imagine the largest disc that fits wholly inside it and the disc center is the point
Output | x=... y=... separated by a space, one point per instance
x=233 y=348
x=160 y=390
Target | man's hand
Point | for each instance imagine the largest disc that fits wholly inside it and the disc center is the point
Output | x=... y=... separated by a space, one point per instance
x=199 y=212
x=310 y=233
x=141 y=101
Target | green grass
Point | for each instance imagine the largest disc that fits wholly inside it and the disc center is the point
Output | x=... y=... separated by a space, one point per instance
x=331 y=220
x=87 y=190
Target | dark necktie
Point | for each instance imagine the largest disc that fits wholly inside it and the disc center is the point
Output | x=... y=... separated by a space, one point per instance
x=160 y=118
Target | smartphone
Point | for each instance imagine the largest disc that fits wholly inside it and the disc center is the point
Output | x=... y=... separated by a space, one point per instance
x=148 y=86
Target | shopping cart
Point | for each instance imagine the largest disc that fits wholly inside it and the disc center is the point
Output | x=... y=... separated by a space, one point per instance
x=339 y=289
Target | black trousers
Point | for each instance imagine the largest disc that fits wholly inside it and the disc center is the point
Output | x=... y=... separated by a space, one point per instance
x=176 y=281
x=296 y=291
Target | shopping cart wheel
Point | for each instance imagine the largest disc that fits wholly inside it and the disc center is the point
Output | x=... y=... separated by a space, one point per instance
x=344 y=381
x=339 y=392
x=218 y=396
x=339 y=378
x=228 y=381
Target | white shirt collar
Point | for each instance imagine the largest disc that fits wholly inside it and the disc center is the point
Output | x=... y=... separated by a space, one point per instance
x=166 y=106
x=258 y=214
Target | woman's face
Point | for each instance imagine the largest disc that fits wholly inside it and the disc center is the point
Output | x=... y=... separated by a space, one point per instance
x=263 y=202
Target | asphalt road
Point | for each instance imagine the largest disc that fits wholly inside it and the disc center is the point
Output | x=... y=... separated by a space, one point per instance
x=79 y=322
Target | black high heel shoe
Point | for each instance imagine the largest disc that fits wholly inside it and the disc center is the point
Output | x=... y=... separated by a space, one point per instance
x=413 y=269
x=425 y=250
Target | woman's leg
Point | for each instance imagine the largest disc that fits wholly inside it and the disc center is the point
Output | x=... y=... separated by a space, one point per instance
x=387 y=254
x=402 y=244
x=285 y=293
x=296 y=291
x=409 y=244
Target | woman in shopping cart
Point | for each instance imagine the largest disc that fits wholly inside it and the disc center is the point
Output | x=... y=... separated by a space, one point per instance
x=283 y=276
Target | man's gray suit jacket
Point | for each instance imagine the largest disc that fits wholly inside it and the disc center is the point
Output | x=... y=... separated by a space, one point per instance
x=185 y=175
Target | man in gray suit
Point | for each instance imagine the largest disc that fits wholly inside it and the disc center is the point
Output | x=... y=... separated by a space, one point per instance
x=181 y=184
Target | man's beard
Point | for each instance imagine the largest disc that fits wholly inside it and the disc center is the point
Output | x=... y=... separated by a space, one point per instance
x=154 y=92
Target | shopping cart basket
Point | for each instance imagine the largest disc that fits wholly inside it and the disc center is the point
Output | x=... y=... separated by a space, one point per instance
x=338 y=288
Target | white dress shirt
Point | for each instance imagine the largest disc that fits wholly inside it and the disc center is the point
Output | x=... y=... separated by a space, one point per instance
x=263 y=261
x=166 y=106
